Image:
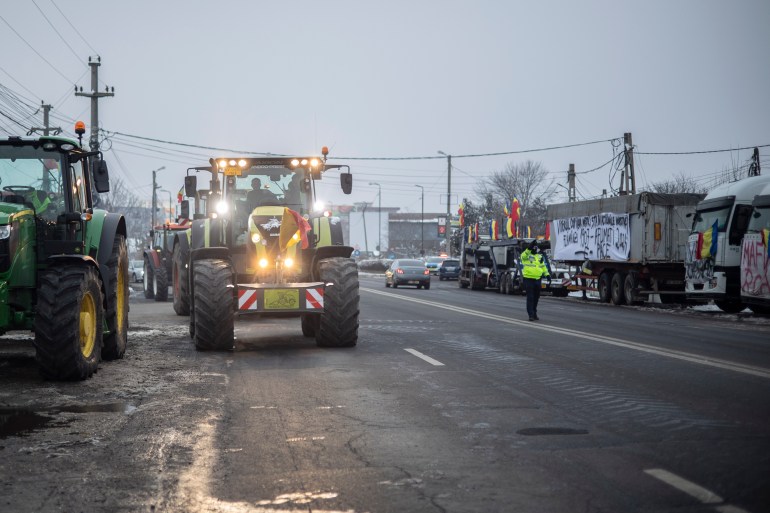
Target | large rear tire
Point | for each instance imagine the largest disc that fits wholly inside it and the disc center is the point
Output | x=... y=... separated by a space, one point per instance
x=617 y=292
x=69 y=322
x=338 y=325
x=116 y=313
x=149 y=280
x=213 y=303
x=309 y=324
x=160 y=283
x=180 y=282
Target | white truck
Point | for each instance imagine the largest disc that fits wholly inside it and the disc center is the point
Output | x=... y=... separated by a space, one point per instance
x=755 y=259
x=718 y=276
x=633 y=244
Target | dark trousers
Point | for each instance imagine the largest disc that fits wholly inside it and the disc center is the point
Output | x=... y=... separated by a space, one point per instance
x=533 y=295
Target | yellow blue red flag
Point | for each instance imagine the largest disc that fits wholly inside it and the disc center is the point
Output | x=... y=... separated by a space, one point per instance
x=707 y=243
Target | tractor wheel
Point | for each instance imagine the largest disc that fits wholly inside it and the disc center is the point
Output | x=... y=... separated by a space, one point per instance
x=180 y=283
x=69 y=322
x=149 y=280
x=213 y=303
x=310 y=324
x=617 y=288
x=338 y=325
x=116 y=312
x=160 y=283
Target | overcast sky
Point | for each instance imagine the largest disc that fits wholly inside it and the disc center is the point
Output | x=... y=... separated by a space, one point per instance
x=401 y=79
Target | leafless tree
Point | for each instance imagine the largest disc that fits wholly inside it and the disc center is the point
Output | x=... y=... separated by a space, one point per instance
x=679 y=183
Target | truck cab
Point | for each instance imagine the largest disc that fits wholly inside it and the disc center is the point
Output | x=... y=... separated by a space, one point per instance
x=755 y=258
x=717 y=276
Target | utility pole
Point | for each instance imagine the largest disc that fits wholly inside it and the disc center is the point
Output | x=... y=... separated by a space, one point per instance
x=448 y=201
x=571 y=182
x=627 y=179
x=46 y=128
x=422 y=219
x=155 y=188
x=94 y=95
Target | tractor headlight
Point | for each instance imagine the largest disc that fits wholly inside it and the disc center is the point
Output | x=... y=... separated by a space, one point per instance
x=255 y=237
x=263 y=262
x=222 y=207
x=288 y=262
x=5 y=231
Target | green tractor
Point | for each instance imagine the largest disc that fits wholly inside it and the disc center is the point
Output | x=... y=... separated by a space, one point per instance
x=63 y=262
x=263 y=248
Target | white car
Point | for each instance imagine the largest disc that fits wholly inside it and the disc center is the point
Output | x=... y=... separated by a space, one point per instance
x=136 y=270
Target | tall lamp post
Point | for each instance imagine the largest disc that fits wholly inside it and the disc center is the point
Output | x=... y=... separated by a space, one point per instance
x=422 y=219
x=448 y=200
x=379 y=216
x=155 y=194
x=171 y=211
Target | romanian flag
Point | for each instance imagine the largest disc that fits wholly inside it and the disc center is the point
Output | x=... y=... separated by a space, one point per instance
x=528 y=232
x=547 y=230
x=515 y=210
x=461 y=213
x=294 y=229
x=476 y=232
x=493 y=231
x=766 y=241
x=708 y=240
x=470 y=234
x=180 y=195
x=509 y=227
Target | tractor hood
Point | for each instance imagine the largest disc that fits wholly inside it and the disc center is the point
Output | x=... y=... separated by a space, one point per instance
x=7 y=210
x=265 y=225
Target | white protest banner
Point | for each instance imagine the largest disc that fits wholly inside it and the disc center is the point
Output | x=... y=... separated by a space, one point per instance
x=598 y=237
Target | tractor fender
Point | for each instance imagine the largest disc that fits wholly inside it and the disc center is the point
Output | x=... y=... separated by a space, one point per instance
x=112 y=225
x=218 y=252
x=205 y=233
x=182 y=240
x=153 y=258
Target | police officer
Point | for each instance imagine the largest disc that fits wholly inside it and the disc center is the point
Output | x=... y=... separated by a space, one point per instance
x=533 y=270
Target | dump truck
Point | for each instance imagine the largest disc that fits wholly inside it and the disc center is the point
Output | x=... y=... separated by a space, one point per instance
x=265 y=248
x=755 y=256
x=158 y=259
x=63 y=260
x=633 y=245
x=716 y=275
x=496 y=265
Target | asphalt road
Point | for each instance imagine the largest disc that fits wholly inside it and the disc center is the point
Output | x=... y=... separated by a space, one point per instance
x=452 y=401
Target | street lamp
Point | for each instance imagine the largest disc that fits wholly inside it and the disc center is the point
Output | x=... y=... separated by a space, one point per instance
x=171 y=211
x=422 y=219
x=155 y=194
x=448 y=195
x=379 y=216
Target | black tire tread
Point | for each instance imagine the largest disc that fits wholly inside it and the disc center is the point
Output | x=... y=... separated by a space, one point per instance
x=214 y=316
x=116 y=340
x=338 y=325
x=180 y=282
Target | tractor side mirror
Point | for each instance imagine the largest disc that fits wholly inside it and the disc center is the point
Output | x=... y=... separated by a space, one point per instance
x=190 y=184
x=346 y=181
x=184 y=209
x=101 y=176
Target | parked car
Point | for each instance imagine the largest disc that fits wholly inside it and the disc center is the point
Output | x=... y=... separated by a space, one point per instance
x=449 y=270
x=136 y=270
x=433 y=263
x=406 y=271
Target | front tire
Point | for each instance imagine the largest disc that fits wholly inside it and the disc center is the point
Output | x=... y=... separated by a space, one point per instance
x=149 y=280
x=309 y=324
x=69 y=322
x=213 y=319
x=160 y=283
x=338 y=325
x=180 y=281
x=605 y=286
x=617 y=292
x=116 y=314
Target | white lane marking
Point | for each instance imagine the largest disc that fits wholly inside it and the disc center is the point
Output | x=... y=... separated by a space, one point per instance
x=670 y=353
x=424 y=357
x=682 y=484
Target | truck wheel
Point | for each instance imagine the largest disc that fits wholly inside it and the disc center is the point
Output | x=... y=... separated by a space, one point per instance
x=310 y=324
x=618 y=288
x=160 y=283
x=338 y=325
x=214 y=317
x=116 y=312
x=730 y=306
x=630 y=286
x=69 y=322
x=179 y=280
x=149 y=280
x=605 y=285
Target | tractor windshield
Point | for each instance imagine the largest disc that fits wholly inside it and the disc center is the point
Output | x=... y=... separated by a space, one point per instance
x=269 y=187
x=30 y=176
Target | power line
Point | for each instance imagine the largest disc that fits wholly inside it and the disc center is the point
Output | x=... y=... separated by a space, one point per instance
x=700 y=152
x=57 y=32
x=33 y=49
x=73 y=27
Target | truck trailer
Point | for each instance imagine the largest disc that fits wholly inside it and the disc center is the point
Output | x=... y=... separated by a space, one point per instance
x=634 y=245
x=755 y=256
